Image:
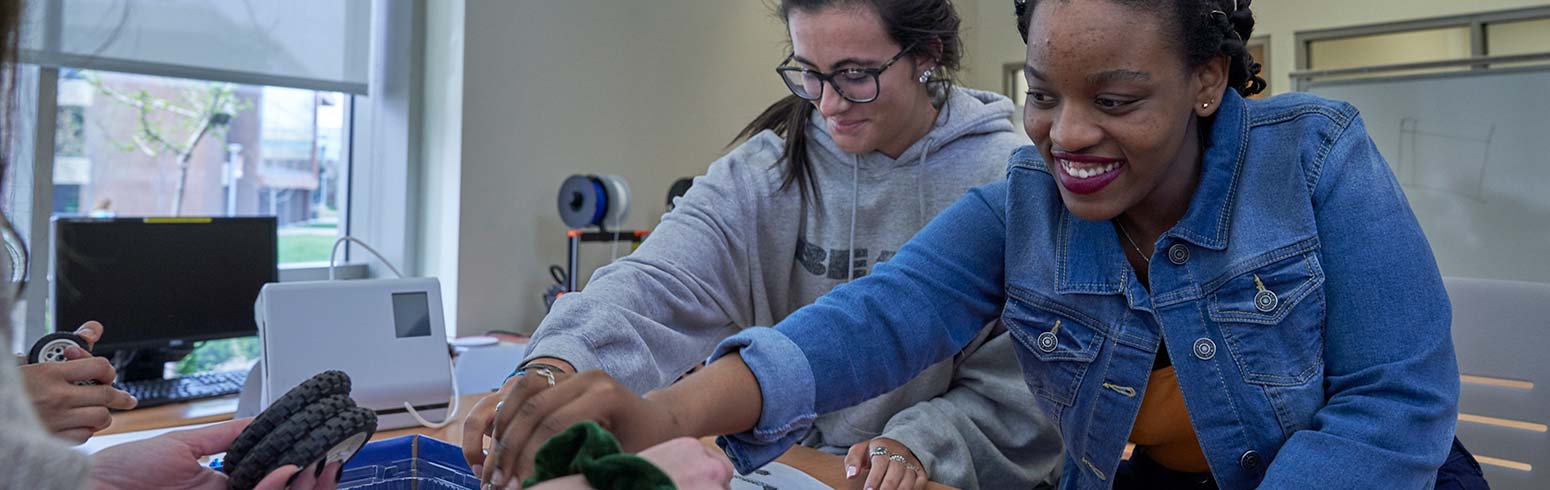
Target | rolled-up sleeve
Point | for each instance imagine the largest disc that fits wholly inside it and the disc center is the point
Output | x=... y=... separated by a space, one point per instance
x=786 y=384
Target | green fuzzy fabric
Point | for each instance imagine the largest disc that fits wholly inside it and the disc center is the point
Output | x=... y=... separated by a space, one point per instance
x=587 y=449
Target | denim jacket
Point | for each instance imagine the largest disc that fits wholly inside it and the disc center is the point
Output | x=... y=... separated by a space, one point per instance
x=1303 y=311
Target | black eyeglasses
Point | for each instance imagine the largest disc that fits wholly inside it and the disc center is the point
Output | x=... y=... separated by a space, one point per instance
x=857 y=85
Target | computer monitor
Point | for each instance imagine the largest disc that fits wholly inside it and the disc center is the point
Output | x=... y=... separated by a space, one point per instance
x=161 y=283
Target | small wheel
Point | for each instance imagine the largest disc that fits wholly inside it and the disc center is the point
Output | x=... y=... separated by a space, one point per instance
x=327 y=383
x=51 y=348
x=336 y=441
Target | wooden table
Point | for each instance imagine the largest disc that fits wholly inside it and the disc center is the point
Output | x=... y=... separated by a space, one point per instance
x=825 y=467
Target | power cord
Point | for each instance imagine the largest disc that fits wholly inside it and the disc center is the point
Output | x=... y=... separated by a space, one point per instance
x=334 y=254
x=452 y=410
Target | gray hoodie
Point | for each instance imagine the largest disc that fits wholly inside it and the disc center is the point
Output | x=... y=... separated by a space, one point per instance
x=737 y=251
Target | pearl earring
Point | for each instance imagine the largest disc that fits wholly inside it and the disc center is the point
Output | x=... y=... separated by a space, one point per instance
x=925 y=76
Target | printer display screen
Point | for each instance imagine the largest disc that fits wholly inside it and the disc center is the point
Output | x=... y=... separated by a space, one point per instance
x=412 y=314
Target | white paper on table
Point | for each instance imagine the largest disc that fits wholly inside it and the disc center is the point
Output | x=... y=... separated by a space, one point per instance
x=98 y=443
x=776 y=476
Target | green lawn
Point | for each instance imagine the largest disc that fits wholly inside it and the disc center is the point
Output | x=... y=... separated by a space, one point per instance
x=305 y=247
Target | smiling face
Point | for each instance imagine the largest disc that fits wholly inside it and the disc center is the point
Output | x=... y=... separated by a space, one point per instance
x=1113 y=107
x=833 y=39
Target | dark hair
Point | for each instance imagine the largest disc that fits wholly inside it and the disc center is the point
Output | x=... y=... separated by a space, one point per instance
x=1206 y=29
x=928 y=27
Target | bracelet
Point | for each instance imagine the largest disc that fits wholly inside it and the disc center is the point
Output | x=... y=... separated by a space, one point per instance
x=522 y=370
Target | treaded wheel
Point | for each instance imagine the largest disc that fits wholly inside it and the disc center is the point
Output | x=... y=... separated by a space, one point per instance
x=267 y=455
x=337 y=440
x=327 y=383
x=51 y=348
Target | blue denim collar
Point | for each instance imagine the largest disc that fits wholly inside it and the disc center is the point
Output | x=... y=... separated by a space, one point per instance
x=1090 y=259
x=1207 y=222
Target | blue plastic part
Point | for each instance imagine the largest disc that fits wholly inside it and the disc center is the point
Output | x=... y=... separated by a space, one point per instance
x=408 y=462
x=602 y=201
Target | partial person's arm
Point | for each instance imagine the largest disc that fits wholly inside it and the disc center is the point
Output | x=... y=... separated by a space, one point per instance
x=871 y=336
x=1390 y=374
x=74 y=412
x=984 y=432
x=858 y=341
x=649 y=317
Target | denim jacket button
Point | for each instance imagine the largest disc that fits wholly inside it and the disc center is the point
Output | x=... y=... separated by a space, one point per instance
x=1266 y=301
x=1249 y=461
x=1205 y=349
x=1178 y=254
x=1048 y=342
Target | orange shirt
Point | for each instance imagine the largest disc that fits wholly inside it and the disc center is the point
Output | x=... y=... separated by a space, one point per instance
x=1163 y=426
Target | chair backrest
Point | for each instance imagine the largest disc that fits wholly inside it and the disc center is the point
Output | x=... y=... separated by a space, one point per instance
x=1501 y=331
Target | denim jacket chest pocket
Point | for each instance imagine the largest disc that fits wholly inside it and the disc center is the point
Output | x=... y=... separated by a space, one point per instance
x=1272 y=318
x=1056 y=346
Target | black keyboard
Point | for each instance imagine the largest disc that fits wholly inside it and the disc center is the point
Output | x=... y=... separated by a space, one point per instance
x=155 y=392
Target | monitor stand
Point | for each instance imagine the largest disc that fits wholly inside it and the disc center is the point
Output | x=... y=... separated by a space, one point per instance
x=147 y=364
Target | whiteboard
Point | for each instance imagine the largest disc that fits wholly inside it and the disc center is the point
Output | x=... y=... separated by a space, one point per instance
x=1472 y=152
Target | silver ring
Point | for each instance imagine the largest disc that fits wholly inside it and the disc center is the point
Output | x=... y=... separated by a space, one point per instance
x=879 y=451
x=546 y=374
x=897 y=458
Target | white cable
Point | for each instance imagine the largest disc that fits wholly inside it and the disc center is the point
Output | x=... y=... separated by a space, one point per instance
x=451 y=411
x=334 y=253
x=614 y=254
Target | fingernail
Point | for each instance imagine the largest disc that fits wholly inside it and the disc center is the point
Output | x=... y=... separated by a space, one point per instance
x=513 y=484
x=850 y=471
x=478 y=470
x=499 y=478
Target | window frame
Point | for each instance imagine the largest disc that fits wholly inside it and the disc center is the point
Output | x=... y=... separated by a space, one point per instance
x=1304 y=77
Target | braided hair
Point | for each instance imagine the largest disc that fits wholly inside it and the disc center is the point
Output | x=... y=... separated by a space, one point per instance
x=1206 y=29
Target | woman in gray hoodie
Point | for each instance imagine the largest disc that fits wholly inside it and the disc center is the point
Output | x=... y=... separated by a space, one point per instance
x=874 y=141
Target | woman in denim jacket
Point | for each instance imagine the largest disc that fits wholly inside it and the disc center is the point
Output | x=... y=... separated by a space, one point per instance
x=1238 y=287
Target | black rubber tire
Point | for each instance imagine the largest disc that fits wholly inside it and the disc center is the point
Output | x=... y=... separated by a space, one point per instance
x=314 y=446
x=37 y=354
x=327 y=383
x=266 y=456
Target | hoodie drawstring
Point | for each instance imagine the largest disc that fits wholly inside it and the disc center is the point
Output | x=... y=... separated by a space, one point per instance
x=855 y=198
x=920 y=187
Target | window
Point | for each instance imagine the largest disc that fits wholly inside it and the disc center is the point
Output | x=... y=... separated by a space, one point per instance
x=1522 y=37
x=136 y=145
x=114 y=94
x=1389 y=49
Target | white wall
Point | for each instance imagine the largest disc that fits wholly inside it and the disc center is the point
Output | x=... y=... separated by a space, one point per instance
x=651 y=91
x=998 y=43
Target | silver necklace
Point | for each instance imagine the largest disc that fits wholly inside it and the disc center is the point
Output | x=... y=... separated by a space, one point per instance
x=1132 y=241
